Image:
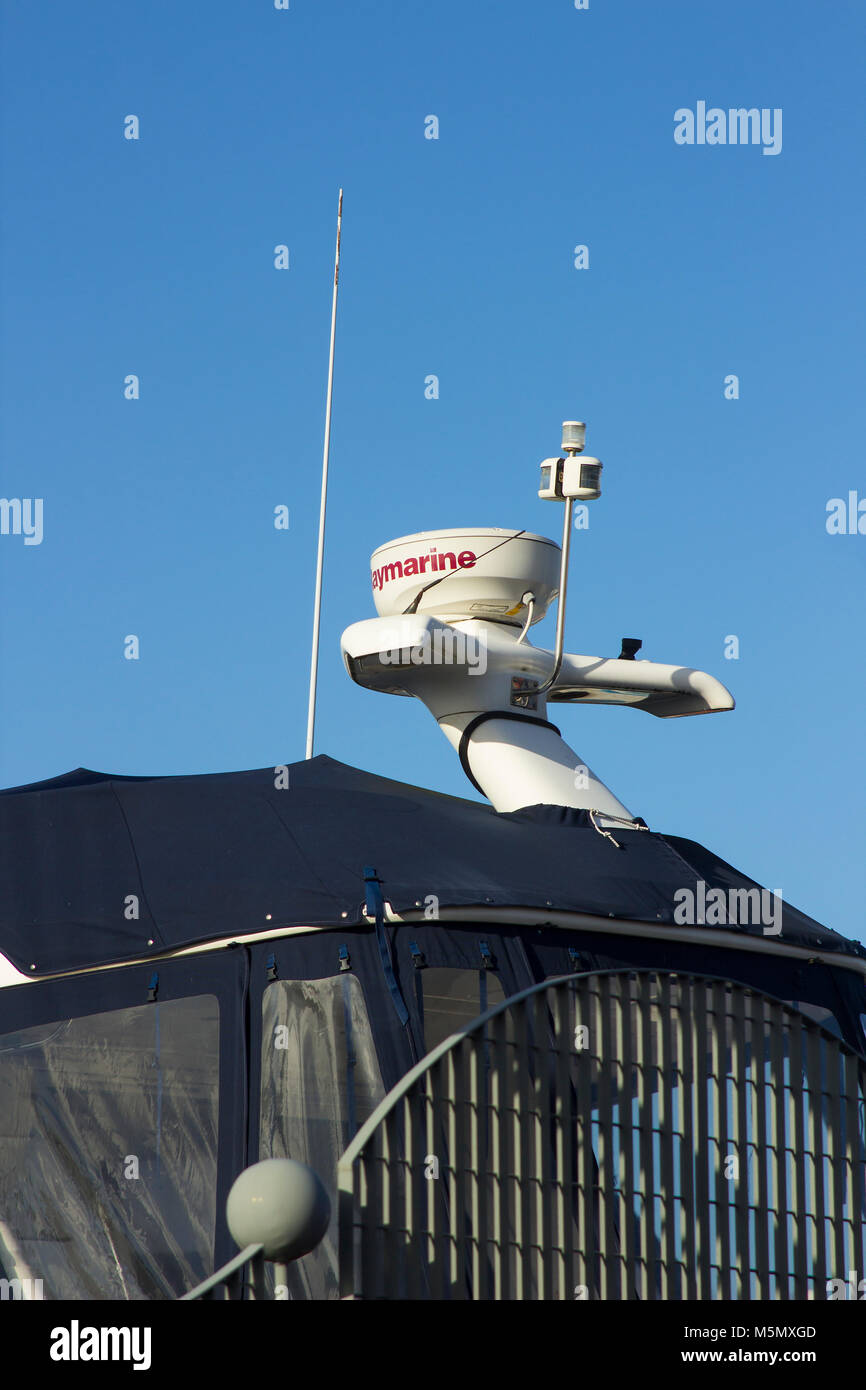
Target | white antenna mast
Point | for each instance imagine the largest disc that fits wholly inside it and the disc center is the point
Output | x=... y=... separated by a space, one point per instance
x=317 y=609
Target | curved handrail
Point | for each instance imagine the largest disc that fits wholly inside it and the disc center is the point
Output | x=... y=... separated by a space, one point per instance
x=353 y=1152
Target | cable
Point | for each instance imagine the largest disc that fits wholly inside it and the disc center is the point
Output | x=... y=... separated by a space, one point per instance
x=621 y=820
x=560 y=612
x=528 y=598
x=413 y=606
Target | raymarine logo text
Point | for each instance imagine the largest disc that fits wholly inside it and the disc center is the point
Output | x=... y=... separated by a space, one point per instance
x=431 y=563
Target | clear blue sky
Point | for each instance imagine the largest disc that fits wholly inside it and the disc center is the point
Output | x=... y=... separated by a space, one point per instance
x=155 y=257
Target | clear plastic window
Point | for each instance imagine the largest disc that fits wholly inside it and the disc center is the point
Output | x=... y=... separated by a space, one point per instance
x=320 y=1082
x=453 y=998
x=108 y=1152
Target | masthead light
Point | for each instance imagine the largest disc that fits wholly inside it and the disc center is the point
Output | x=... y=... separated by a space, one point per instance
x=578 y=479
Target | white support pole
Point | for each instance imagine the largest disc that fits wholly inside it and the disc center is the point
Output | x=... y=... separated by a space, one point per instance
x=317 y=609
x=546 y=685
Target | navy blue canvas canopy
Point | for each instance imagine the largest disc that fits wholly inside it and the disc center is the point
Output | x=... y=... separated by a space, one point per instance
x=205 y=857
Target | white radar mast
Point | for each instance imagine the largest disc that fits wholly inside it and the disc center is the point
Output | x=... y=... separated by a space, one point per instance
x=455 y=608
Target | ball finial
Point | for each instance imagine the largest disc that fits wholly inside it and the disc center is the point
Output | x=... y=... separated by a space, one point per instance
x=280 y=1204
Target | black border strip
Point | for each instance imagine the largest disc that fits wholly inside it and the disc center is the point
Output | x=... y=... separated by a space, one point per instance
x=481 y=719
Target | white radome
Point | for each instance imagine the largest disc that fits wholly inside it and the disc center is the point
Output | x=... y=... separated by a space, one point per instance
x=473 y=572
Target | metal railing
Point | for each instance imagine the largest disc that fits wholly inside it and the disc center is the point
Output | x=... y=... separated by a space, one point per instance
x=616 y=1135
x=242 y=1276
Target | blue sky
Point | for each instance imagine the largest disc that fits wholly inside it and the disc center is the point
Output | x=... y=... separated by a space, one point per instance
x=156 y=257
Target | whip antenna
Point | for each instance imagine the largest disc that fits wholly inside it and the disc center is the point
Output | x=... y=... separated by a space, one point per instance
x=317 y=609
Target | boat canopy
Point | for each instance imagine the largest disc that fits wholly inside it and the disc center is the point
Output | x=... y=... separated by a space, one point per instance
x=132 y=1096
x=98 y=869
